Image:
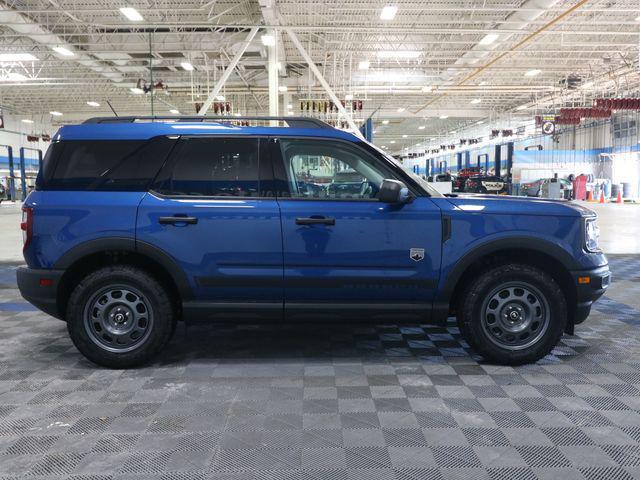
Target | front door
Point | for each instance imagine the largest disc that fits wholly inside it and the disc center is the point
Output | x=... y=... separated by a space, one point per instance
x=208 y=210
x=346 y=253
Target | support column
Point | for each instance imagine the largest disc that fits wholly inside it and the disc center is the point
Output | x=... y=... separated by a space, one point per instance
x=272 y=51
x=312 y=66
x=225 y=76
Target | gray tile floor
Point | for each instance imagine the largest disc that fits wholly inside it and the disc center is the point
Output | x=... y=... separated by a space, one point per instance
x=320 y=402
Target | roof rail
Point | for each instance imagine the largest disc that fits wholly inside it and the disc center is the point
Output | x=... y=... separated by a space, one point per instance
x=294 y=122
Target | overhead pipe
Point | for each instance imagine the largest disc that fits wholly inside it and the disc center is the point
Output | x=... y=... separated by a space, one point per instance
x=522 y=42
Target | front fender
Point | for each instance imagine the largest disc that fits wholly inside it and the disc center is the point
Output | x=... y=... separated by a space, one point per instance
x=476 y=235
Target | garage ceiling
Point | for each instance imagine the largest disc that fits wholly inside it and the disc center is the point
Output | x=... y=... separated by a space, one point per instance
x=438 y=65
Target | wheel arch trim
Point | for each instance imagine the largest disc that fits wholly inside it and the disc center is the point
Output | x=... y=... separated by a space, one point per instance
x=540 y=245
x=126 y=244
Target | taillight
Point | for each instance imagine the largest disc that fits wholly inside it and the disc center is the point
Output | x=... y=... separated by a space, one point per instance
x=26 y=226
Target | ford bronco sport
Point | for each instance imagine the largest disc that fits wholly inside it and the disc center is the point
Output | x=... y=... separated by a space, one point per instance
x=137 y=223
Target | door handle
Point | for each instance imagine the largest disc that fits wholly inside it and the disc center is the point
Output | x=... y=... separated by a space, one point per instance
x=315 y=220
x=177 y=219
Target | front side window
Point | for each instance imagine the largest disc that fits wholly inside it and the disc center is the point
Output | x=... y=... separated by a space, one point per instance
x=213 y=167
x=319 y=169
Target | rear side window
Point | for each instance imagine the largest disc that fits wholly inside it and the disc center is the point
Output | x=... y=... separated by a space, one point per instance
x=107 y=165
x=213 y=167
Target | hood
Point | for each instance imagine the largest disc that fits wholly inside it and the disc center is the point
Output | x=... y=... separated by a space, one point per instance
x=504 y=204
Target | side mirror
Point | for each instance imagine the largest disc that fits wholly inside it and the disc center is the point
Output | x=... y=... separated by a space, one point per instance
x=393 y=191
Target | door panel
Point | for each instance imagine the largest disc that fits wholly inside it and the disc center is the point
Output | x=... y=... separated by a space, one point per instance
x=208 y=210
x=234 y=251
x=344 y=251
x=365 y=256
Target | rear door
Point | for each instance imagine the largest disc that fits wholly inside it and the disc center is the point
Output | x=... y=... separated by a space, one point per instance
x=209 y=210
x=346 y=253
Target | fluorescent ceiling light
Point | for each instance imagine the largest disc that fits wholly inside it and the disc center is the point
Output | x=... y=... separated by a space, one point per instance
x=475 y=101
x=363 y=65
x=401 y=109
x=452 y=132
x=383 y=146
x=174 y=111
x=220 y=98
x=391 y=76
x=27 y=120
x=399 y=54
x=482 y=83
x=65 y=52
x=348 y=97
x=522 y=107
x=289 y=106
x=488 y=39
x=283 y=88
x=17 y=57
x=421 y=127
x=12 y=77
x=388 y=12
x=91 y=103
x=637 y=19
x=187 y=66
x=442 y=117
x=392 y=141
x=405 y=136
x=131 y=14
x=238 y=114
x=268 y=40
x=427 y=89
x=385 y=122
x=479 y=122
x=136 y=90
x=533 y=73
x=56 y=114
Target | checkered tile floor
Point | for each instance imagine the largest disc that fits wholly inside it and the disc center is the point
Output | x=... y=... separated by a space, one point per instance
x=319 y=402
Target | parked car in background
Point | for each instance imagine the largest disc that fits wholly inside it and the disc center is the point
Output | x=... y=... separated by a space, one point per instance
x=462 y=175
x=442 y=182
x=485 y=184
x=535 y=188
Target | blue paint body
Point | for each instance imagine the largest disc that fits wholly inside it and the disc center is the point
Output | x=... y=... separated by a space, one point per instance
x=252 y=250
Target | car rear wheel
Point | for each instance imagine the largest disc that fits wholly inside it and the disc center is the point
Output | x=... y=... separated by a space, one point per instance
x=120 y=316
x=513 y=314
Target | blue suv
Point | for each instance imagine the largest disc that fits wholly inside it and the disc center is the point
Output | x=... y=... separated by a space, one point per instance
x=137 y=223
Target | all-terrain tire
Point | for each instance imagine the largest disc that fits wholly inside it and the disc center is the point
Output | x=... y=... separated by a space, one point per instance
x=474 y=305
x=150 y=297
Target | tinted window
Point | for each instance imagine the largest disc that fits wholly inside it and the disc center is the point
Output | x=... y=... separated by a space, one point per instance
x=330 y=170
x=213 y=167
x=103 y=165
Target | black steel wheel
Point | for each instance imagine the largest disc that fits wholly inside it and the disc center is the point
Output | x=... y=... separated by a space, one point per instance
x=513 y=314
x=120 y=316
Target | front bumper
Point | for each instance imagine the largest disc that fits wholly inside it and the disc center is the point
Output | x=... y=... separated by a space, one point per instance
x=590 y=285
x=40 y=288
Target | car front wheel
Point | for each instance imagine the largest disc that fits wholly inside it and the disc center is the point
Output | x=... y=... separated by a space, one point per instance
x=513 y=314
x=120 y=316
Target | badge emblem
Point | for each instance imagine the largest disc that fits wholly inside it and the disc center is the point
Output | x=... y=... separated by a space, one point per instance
x=416 y=254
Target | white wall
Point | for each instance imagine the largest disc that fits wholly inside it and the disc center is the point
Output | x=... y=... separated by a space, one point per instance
x=15 y=134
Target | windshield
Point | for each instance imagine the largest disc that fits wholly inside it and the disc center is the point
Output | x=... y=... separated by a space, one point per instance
x=421 y=181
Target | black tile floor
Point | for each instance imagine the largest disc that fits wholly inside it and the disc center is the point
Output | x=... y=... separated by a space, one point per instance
x=323 y=402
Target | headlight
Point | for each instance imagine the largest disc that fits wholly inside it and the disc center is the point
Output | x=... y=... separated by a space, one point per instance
x=591 y=235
